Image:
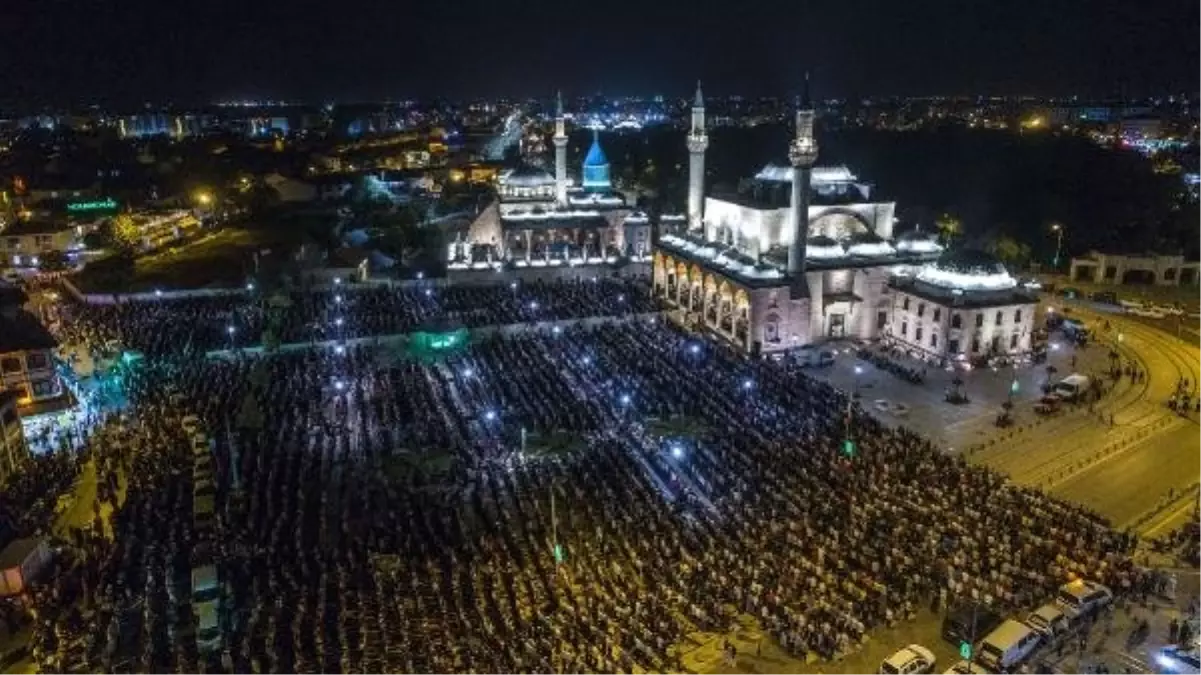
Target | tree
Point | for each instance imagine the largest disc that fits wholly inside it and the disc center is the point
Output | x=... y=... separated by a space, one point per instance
x=121 y=233
x=949 y=227
x=1010 y=251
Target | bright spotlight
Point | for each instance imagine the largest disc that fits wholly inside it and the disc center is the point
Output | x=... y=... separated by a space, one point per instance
x=677 y=451
x=490 y=415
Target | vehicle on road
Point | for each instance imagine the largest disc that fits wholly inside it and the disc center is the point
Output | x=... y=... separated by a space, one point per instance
x=1008 y=645
x=1071 y=387
x=912 y=659
x=1179 y=659
x=1105 y=297
x=208 y=631
x=1050 y=621
x=1083 y=597
x=1147 y=312
x=968 y=623
x=1075 y=329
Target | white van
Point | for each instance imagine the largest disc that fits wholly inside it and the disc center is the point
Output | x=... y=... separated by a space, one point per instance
x=1083 y=597
x=1007 y=646
x=1071 y=387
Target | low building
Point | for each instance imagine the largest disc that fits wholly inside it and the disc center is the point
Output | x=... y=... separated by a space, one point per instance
x=13 y=450
x=22 y=243
x=1149 y=268
x=964 y=306
x=26 y=352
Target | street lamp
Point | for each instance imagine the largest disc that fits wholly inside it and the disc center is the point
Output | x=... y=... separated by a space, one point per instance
x=1057 y=228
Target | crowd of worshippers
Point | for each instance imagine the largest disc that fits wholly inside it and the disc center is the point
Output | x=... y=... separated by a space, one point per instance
x=380 y=514
x=166 y=325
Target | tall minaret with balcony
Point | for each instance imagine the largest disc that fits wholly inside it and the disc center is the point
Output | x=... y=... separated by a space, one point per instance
x=698 y=142
x=560 y=154
x=802 y=154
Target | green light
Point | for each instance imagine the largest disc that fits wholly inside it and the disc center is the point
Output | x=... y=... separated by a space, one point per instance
x=965 y=650
x=1013 y=387
x=848 y=448
x=559 y=556
x=102 y=205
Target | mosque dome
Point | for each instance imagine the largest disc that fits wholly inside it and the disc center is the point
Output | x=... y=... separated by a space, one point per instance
x=868 y=244
x=596 y=166
x=916 y=241
x=967 y=269
x=528 y=176
x=822 y=247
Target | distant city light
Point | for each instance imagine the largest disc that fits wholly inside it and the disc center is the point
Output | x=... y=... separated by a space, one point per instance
x=420 y=275
x=250 y=286
x=158 y=292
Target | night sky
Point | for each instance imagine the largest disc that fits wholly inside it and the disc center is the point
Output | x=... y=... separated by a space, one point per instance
x=122 y=51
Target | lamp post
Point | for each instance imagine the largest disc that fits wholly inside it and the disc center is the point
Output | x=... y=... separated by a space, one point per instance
x=1057 y=228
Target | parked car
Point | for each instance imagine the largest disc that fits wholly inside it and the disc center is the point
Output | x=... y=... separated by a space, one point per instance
x=1083 y=597
x=912 y=659
x=1050 y=621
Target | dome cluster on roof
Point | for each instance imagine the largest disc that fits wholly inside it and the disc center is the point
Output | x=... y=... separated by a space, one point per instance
x=528 y=176
x=967 y=269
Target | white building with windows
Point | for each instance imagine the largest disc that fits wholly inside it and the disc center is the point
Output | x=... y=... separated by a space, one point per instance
x=803 y=254
x=962 y=307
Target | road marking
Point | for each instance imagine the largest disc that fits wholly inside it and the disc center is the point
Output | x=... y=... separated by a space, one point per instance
x=1164 y=520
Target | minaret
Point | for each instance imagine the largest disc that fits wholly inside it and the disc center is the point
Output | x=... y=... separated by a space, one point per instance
x=698 y=141
x=802 y=154
x=560 y=154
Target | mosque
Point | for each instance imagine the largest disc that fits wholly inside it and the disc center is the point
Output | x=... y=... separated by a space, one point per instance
x=540 y=220
x=803 y=254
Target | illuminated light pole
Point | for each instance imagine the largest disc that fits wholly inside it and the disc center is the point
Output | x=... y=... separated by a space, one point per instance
x=1057 y=228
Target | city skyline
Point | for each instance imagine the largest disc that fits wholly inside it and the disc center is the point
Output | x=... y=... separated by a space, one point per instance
x=220 y=51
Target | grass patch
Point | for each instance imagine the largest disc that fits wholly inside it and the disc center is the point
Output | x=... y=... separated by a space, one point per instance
x=222 y=259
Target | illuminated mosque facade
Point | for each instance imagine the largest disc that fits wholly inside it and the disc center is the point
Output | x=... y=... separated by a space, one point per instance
x=803 y=254
x=541 y=220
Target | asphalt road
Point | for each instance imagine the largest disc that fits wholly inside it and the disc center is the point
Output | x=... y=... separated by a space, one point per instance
x=1133 y=482
x=1064 y=454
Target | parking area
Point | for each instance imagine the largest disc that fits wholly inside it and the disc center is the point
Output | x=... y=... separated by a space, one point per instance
x=924 y=408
